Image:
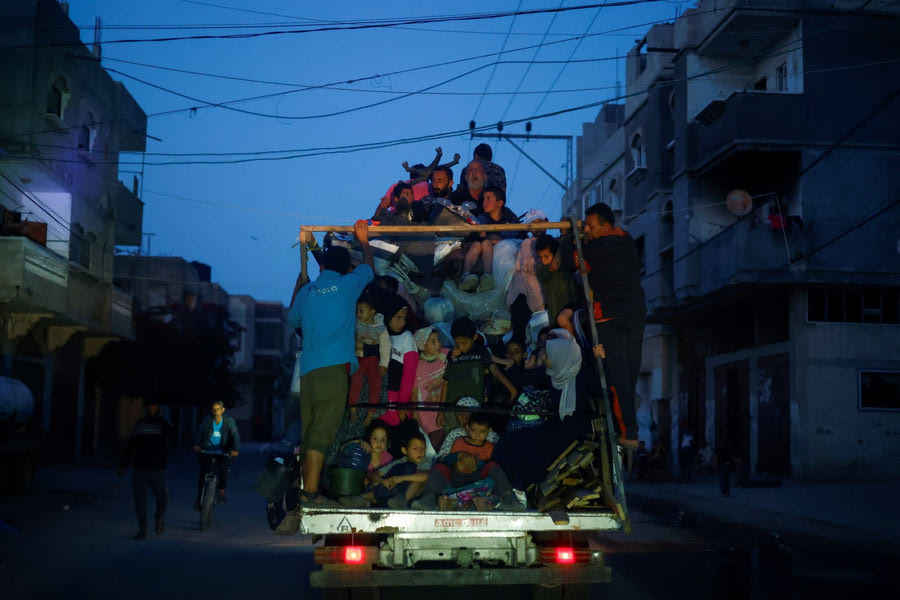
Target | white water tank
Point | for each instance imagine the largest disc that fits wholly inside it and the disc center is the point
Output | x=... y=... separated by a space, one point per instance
x=16 y=402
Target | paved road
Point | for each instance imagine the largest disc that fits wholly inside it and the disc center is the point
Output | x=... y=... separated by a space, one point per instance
x=71 y=538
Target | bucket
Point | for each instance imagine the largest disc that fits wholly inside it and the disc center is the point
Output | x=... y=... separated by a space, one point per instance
x=347 y=482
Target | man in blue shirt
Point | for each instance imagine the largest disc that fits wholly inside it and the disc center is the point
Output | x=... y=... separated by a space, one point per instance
x=217 y=433
x=325 y=310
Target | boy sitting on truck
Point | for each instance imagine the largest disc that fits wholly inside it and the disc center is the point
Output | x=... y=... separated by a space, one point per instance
x=399 y=480
x=466 y=367
x=469 y=461
x=482 y=248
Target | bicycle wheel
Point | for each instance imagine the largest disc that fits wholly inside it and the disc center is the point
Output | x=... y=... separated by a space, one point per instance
x=207 y=499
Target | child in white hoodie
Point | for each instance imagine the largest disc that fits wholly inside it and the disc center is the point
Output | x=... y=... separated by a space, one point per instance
x=373 y=349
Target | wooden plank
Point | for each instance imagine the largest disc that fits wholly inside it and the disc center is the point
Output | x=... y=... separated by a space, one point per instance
x=562 y=456
x=376 y=230
x=559 y=517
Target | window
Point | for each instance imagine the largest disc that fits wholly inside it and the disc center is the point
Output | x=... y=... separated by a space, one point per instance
x=613 y=195
x=87 y=133
x=879 y=390
x=637 y=151
x=835 y=304
x=781 y=77
x=57 y=96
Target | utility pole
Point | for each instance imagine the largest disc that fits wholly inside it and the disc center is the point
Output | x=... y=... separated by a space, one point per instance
x=148 y=236
x=509 y=137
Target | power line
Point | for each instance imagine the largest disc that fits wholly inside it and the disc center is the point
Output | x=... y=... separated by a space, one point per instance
x=571 y=56
x=528 y=69
x=227 y=104
x=304 y=153
x=494 y=70
x=384 y=144
x=256 y=156
x=345 y=26
x=370 y=77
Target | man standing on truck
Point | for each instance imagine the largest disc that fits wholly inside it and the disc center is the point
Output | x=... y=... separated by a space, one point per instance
x=325 y=310
x=619 y=309
x=147 y=446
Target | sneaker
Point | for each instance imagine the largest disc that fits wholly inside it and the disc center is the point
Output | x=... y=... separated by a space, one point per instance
x=398 y=503
x=510 y=503
x=354 y=502
x=426 y=502
x=160 y=526
x=486 y=283
x=468 y=283
x=140 y=535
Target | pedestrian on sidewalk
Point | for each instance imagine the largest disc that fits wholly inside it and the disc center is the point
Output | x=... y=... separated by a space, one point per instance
x=147 y=449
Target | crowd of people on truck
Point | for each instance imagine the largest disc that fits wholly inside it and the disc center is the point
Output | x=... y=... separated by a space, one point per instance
x=474 y=419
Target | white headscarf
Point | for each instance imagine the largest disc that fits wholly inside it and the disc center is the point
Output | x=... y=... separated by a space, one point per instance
x=564 y=356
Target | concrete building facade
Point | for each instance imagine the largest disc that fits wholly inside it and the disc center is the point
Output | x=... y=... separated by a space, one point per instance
x=762 y=144
x=63 y=124
x=262 y=342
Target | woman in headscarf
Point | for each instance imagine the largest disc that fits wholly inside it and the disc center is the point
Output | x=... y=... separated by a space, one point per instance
x=525 y=455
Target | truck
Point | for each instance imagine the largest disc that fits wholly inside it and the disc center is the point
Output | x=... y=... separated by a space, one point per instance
x=553 y=550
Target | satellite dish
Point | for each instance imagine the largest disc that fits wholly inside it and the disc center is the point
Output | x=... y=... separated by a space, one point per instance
x=739 y=202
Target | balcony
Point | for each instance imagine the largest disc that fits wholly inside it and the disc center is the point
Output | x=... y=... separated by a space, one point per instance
x=32 y=276
x=34 y=279
x=747 y=30
x=750 y=121
x=742 y=254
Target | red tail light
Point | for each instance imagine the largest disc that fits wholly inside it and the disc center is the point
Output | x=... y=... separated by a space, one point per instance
x=354 y=555
x=565 y=556
x=346 y=555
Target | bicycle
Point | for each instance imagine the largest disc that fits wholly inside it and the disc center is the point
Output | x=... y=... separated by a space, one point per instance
x=208 y=497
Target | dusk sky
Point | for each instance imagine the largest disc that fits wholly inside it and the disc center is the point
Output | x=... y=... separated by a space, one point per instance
x=229 y=185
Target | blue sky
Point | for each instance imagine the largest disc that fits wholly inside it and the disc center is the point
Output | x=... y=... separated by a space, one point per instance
x=242 y=218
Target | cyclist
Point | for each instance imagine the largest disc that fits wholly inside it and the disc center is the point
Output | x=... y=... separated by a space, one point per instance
x=217 y=433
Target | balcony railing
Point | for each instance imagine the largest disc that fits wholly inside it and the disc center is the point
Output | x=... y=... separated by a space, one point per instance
x=743 y=254
x=748 y=119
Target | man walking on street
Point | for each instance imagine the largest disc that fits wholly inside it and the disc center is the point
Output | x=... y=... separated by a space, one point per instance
x=147 y=447
x=619 y=310
x=325 y=310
